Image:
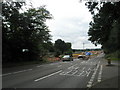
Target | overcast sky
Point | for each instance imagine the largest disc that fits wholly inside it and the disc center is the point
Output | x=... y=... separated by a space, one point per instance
x=70 y=21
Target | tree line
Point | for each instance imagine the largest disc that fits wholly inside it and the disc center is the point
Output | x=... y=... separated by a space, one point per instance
x=25 y=35
x=105 y=26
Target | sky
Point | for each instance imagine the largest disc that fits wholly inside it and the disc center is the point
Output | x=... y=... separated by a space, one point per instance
x=70 y=21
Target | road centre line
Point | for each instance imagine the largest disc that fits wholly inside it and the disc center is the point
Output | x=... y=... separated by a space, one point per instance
x=47 y=76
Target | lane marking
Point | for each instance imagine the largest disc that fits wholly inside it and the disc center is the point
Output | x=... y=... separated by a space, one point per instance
x=38 y=66
x=16 y=72
x=59 y=65
x=75 y=72
x=88 y=73
x=76 y=68
x=6 y=74
x=47 y=76
x=100 y=74
x=72 y=66
x=22 y=71
x=68 y=72
x=82 y=71
x=63 y=73
x=90 y=83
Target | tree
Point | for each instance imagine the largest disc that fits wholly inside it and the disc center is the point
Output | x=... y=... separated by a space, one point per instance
x=24 y=31
x=104 y=28
x=62 y=48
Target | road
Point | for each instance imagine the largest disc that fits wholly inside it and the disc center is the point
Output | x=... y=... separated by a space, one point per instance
x=69 y=74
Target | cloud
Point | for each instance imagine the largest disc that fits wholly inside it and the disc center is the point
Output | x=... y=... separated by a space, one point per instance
x=70 y=22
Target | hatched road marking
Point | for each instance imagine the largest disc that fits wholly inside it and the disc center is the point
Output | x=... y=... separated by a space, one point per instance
x=47 y=76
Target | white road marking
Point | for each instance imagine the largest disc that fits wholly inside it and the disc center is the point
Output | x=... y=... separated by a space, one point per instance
x=100 y=74
x=72 y=66
x=75 y=72
x=63 y=73
x=93 y=76
x=68 y=72
x=6 y=74
x=52 y=64
x=22 y=71
x=82 y=71
x=47 y=76
x=16 y=72
x=76 y=67
x=39 y=66
x=88 y=73
x=59 y=65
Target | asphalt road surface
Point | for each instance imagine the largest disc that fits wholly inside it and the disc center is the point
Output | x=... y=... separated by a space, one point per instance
x=70 y=74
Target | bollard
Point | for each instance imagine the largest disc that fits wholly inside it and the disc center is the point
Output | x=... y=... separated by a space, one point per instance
x=109 y=61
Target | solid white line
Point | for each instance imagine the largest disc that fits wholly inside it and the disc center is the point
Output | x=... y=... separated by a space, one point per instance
x=47 y=76
x=21 y=71
x=16 y=72
x=6 y=74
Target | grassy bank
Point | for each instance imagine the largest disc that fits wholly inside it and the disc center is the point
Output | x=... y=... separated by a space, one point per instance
x=113 y=56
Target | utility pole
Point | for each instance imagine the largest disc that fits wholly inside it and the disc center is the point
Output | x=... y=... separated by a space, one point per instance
x=83 y=46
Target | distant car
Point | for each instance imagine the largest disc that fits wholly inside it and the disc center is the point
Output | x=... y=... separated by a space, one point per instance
x=81 y=56
x=67 y=58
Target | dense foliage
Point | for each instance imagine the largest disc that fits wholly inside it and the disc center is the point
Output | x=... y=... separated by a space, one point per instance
x=62 y=47
x=105 y=27
x=24 y=35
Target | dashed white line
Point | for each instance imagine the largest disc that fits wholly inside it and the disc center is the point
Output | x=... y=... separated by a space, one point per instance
x=47 y=76
x=100 y=74
x=93 y=76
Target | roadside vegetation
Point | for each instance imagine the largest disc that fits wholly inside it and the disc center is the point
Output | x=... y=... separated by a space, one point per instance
x=26 y=38
x=105 y=27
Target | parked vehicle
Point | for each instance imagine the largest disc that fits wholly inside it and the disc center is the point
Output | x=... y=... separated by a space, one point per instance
x=67 y=58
